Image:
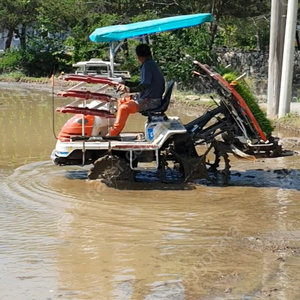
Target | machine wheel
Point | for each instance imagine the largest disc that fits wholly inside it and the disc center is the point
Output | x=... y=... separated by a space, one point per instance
x=221 y=151
x=195 y=168
x=192 y=168
x=199 y=168
x=225 y=173
x=168 y=175
x=111 y=168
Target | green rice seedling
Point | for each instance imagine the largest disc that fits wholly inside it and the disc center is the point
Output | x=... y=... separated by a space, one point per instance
x=12 y=160
x=260 y=116
x=39 y=139
x=12 y=114
x=22 y=115
x=3 y=148
x=14 y=133
x=29 y=155
x=41 y=157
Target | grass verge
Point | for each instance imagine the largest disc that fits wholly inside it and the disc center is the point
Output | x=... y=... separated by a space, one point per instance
x=291 y=121
x=20 y=77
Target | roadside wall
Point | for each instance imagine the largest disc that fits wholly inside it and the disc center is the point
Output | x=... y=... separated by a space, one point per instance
x=255 y=64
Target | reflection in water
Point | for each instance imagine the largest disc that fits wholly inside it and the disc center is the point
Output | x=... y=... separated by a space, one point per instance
x=63 y=237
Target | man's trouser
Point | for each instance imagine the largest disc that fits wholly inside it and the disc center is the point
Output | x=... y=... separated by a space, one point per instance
x=125 y=107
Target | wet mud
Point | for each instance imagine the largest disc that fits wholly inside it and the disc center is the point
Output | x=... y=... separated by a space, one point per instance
x=64 y=237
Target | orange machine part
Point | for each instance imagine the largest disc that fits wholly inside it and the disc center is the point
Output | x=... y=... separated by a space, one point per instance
x=86 y=95
x=85 y=111
x=73 y=127
x=237 y=96
x=89 y=79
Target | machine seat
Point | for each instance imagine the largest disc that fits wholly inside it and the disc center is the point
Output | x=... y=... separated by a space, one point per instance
x=159 y=111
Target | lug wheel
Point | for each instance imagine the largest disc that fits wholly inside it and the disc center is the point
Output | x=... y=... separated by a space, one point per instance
x=111 y=168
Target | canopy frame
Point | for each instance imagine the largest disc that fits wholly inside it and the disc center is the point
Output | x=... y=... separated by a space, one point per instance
x=116 y=34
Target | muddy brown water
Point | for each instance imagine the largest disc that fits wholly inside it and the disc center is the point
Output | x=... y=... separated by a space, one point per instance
x=63 y=237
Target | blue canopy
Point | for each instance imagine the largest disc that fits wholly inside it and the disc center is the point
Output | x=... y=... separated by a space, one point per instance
x=121 y=32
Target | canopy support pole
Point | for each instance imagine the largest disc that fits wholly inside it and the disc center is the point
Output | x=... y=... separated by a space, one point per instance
x=111 y=58
x=112 y=51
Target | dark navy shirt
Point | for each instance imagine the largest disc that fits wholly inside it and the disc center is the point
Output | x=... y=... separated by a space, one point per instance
x=152 y=84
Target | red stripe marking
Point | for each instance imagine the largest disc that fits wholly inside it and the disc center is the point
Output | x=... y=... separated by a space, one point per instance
x=237 y=96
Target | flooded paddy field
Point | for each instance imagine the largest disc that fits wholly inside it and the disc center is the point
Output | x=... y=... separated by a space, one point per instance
x=64 y=237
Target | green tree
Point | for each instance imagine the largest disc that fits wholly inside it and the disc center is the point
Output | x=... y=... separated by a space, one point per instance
x=170 y=48
x=237 y=9
x=253 y=36
x=15 y=13
x=238 y=23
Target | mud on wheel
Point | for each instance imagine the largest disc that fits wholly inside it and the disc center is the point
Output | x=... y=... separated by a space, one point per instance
x=111 y=168
x=199 y=167
x=221 y=155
